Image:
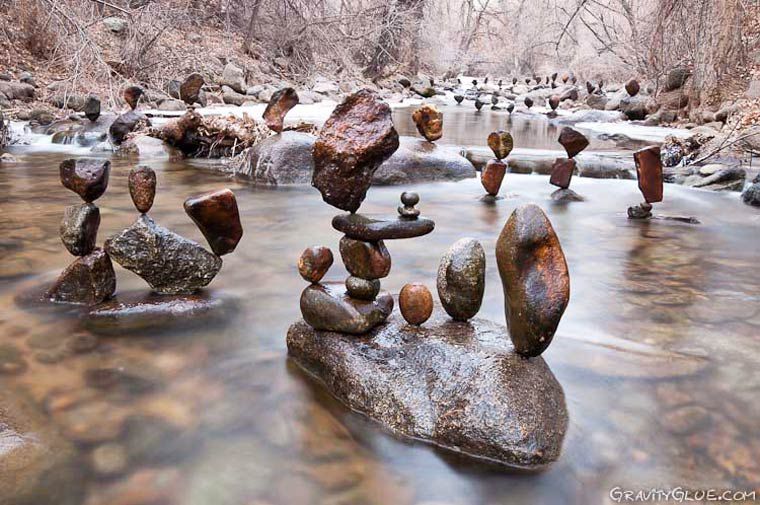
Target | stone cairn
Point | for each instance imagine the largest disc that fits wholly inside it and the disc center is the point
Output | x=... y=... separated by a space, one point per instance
x=649 y=175
x=355 y=140
x=90 y=279
x=563 y=168
x=492 y=175
x=429 y=122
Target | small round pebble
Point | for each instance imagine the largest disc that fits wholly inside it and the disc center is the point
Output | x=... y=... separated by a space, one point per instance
x=410 y=199
x=416 y=303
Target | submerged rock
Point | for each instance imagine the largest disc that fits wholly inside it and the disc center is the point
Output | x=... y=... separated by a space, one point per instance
x=328 y=307
x=281 y=102
x=88 y=281
x=461 y=279
x=566 y=195
x=459 y=386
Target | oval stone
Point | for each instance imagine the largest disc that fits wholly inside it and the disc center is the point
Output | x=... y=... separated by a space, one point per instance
x=142 y=187
x=217 y=216
x=416 y=303
x=362 y=289
x=314 y=263
x=86 y=177
x=462 y=279
x=367 y=260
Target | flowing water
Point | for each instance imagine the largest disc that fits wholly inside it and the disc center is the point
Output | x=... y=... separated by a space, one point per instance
x=657 y=352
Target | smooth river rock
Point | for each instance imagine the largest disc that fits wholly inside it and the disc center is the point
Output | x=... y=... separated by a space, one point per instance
x=460 y=386
x=373 y=229
x=314 y=263
x=649 y=172
x=328 y=307
x=417 y=160
x=284 y=158
x=366 y=260
x=142 y=187
x=415 y=303
x=462 y=279
x=492 y=176
x=216 y=215
x=170 y=263
x=88 y=281
x=79 y=228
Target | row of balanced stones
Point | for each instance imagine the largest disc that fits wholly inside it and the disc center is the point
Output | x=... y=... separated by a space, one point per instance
x=168 y=262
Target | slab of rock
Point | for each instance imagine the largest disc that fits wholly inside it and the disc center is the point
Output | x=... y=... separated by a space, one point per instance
x=535 y=279
x=501 y=143
x=216 y=215
x=170 y=263
x=79 y=228
x=281 y=102
x=314 y=263
x=88 y=281
x=417 y=160
x=573 y=141
x=366 y=260
x=460 y=386
x=142 y=187
x=649 y=173
x=562 y=172
x=361 y=227
x=190 y=89
x=87 y=177
x=492 y=176
x=355 y=140
x=429 y=122
x=461 y=279
x=328 y=307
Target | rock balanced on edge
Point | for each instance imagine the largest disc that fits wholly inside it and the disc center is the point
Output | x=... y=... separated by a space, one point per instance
x=563 y=168
x=501 y=143
x=649 y=175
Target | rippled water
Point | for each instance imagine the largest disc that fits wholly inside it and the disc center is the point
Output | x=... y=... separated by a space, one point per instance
x=657 y=352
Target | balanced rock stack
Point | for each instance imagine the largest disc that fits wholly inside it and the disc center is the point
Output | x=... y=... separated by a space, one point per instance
x=91 y=278
x=649 y=175
x=429 y=122
x=129 y=121
x=563 y=168
x=501 y=143
x=279 y=105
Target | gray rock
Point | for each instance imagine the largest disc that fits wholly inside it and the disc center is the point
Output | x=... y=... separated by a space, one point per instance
x=17 y=91
x=566 y=195
x=170 y=263
x=328 y=307
x=79 y=228
x=634 y=107
x=417 y=160
x=115 y=24
x=125 y=124
x=280 y=159
x=460 y=386
x=598 y=102
x=234 y=77
x=751 y=195
x=726 y=179
x=172 y=105
x=462 y=279
x=231 y=97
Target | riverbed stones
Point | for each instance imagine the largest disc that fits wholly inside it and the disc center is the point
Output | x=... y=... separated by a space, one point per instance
x=169 y=263
x=142 y=188
x=363 y=289
x=562 y=172
x=632 y=87
x=87 y=177
x=564 y=195
x=216 y=215
x=132 y=95
x=92 y=108
x=649 y=173
x=365 y=259
x=328 y=307
x=501 y=143
x=314 y=263
x=461 y=279
x=492 y=176
x=573 y=141
x=535 y=279
x=357 y=137
x=79 y=228
x=429 y=122
x=88 y=281
x=374 y=229
x=458 y=386
x=416 y=303
x=279 y=105
x=190 y=89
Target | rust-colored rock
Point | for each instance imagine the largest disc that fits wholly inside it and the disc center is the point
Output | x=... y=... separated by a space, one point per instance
x=132 y=95
x=573 y=141
x=562 y=172
x=501 y=143
x=354 y=141
x=416 y=303
x=142 y=187
x=649 y=173
x=554 y=102
x=492 y=176
x=632 y=87
x=87 y=177
x=535 y=279
x=88 y=281
x=216 y=215
x=528 y=102
x=314 y=263
x=190 y=89
x=279 y=105
x=366 y=260
x=429 y=121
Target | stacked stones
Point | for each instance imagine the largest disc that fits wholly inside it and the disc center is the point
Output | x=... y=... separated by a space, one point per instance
x=128 y=122
x=649 y=175
x=429 y=122
x=563 y=168
x=501 y=143
x=91 y=278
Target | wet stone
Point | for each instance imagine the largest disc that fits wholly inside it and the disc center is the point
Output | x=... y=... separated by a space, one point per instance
x=354 y=141
x=279 y=105
x=314 y=263
x=366 y=260
x=125 y=124
x=408 y=201
x=641 y=211
x=88 y=281
x=566 y=195
x=535 y=279
x=649 y=173
x=429 y=122
x=169 y=263
x=142 y=187
x=86 y=177
x=79 y=228
x=528 y=102
x=92 y=108
x=190 y=89
x=562 y=172
x=328 y=307
x=416 y=303
x=492 y=176
x=501 y=143
x=360 y=227
x=216 y=215
x=458 y=386
x=458 y=99
x=554 y=102
x=132 y=95
x=573 y=141
x=362 y=289
x=461 y=279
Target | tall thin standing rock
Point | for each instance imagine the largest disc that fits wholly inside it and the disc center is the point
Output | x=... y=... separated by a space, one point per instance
x=462 y=279
x=142 y=187
x=649 y=172
x=279 y=105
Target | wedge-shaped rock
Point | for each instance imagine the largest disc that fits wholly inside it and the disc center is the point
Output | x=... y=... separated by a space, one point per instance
x=279 y=105
x=459 y=386
x=88 y=281
x=216 y=215
x=87 y=177
x=328 y=307
x=170 y=263
x=649 y=172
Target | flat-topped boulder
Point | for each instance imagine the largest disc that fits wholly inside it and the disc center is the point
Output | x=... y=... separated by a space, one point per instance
x=460 y=386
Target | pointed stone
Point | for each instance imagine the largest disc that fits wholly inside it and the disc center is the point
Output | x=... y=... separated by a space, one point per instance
x=501 y=143
x=86 y=177
x=328 y=307
x=366 y=260
x=79 y=228
x=429 y=122
x=492 y=176
x=458 y=99
x=216 y=215
x=462 y=279
x=535 y=279
x=528 y=102
x=88 y=281
x=190 y=89
x=649 y=172
x=589 y=87
x=314 y=263
x=279 y=105
x=573 y=141
x=562 y=172
x=142 y=187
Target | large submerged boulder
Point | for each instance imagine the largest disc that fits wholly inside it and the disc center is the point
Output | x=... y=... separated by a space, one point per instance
x=284 y=158
x=417 y=160
x=460 y=386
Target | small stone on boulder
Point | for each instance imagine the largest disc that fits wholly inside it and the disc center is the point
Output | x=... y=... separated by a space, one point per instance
x=328 y=307
x=462 y=279
x=190 y=89
x=132 y=95
x=492 y=176
x=92 y=108
x=632 y=87
x=416 y=303
x=562 y=172
x=216 y=215
x=363 y=289
x=142 y=187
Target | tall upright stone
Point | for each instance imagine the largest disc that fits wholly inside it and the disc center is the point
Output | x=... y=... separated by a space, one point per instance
x=461 y=279
x=216 y=215
x=190 y=89
x=649 y=172
x=279 y=105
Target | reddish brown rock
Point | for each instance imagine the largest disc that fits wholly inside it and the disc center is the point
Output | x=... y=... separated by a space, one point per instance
x=562 y=172
x=354 y=141
x=314 y=263
x=142 y=187
x=632 y=87
x=501 y=143
x=132 y=95
x=535 y=279
x=554 y=102
x=528 y=102
x=416 y=303
x=429 y=121
x=79 y=228
x=565 y=77
x=492 y=176
x=88 y=281
x=190 y=89
x=366 y=260
x=216 y=215
x=573 y=141
x=86 y=177
x=281 y=102
x=649 y=173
